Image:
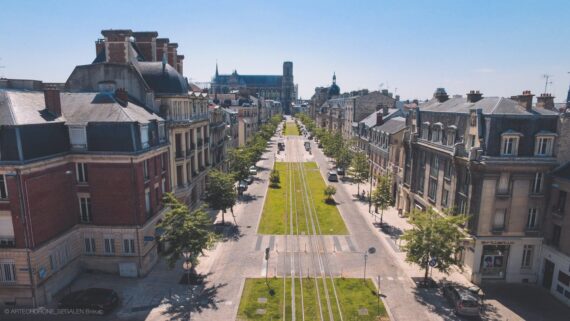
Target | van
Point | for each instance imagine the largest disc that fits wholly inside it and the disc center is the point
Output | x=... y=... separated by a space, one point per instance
x=464 y=302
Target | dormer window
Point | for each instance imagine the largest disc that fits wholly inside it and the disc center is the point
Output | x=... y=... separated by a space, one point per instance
x=450 y=137
x=144 y=135
x=78 y=137
x=161 y=132
x=436 y=132
x=425 y=131
x=543 y=144
x=510 y=143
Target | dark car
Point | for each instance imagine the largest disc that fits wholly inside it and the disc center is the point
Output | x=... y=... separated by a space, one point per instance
x=332 y=176
x=340 y=171
x=96 y=299
x=242 y=186
x=464 y=301
x=249 y=180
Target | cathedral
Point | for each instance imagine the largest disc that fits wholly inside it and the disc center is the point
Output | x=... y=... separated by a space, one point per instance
x=273 y=87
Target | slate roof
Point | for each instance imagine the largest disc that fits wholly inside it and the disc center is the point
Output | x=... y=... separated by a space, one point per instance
x=489 y=106
x=372 y=99
x=370 y=120
x=28 y=107
x=392 y=126
x=167 y=81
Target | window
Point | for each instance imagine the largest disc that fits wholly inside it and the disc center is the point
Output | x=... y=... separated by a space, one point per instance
x=144 y=136
x=163 y=161
x=537 y=183
x=472 y=139
x=128 y=245
x=499 y=219
x=161 y=132
x=145 y=170
x=508 y=148
x=156 y=195
x=425 y=130
x=532 y=221
x=109 y=245
x=85 y=209
x=432 y=188
x=543 y=146
x=436 y=136
x=527 y=256
x=163 y=185
x=434 y=166
x=147 y=201
x=90 y=245
x=445 y=197
x=81 y=172
x=7 y=271
x=450 y=137
x=78 y=137
x=561 y=204
x=504 y=184
x=3 y=187
x=556 y=231
x=461 y=205
x=447 y=169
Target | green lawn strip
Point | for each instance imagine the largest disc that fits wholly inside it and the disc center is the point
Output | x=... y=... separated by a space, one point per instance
x=275 y=210
x=355 y=294
x=255 y=289
x=291 y=129
x=329 y=217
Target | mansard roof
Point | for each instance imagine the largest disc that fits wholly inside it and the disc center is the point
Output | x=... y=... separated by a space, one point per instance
x=488 y=105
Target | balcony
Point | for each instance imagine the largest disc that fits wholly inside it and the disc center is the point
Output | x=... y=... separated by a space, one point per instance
x=179 y=154
x=7 y=242
x=200 y=142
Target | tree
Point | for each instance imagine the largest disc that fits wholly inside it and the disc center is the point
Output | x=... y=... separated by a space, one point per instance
x=329 y=191
x=344 y=157
x=220 y=192
x=184 y=231
x=382 y=196
x=274 y=178
x=240 y=161
x=360 y=169
x=433 y=236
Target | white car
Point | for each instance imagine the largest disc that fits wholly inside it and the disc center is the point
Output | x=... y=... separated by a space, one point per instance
x=253 y=170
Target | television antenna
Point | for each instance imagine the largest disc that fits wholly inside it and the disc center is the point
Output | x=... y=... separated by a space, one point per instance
x=547 y=81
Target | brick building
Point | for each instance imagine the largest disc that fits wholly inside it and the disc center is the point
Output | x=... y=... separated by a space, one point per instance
x=82 y=178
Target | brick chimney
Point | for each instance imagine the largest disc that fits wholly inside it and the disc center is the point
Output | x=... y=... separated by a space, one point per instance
x=545 y=101
x=161 y=47
x=180 y=64
x=99 y=46
x=474 y=96
x=146 y=42
x=173 y=54
x=52 y=100
x=524 y=100
x=441 y=95
x=117 y=45
x=385 y=109
x=122 y=96
x=379 y=119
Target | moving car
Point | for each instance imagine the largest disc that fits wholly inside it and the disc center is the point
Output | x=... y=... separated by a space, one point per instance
x=307 y=145
x=332 y=176
x=100 y=299
x=281 y=145
x=249 y=180
x=464 y=301
x=253 y=170
x=340 y=171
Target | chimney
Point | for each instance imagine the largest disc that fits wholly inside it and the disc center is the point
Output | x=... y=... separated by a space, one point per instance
x=524 y=100
x=52 y=100
x=146 y=43
x=379 y=119
x=161 y=47
x=180 y=64
x=441 y=95
x=385 y=92
x=545 y=101
x=385 y=109
x=397 y=98
x=122 y=96
x=172 y=54
x=474 y=96
x=99 y=46
x=117 y=45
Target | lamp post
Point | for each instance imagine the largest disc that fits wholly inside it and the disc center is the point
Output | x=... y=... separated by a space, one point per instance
x=187 y=266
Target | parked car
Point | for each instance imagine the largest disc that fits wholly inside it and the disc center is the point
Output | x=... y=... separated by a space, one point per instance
x=332 y=176
x=101 y=299
x=340 y=171
x=253 y=170
x=242 y=185
x=464 y=301
x=249 y=180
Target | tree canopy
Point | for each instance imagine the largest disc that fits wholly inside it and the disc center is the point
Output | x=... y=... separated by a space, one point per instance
x=220 y=192
x=360 y=168
x=382 y=195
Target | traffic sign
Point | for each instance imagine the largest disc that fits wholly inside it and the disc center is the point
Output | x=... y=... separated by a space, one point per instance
x=432 y=262
x=267 y=253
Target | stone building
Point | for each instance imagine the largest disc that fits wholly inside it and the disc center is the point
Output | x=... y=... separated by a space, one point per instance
x=487 y=157
x=82 y=176
x=321 y=95
x=218 y=137
x=272 y=87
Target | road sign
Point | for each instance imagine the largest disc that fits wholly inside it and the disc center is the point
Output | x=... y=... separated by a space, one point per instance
x=432 y=262
x=267 y=253
x=372 y=250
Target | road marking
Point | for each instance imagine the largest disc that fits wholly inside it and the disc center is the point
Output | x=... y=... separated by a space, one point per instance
x=390 y=278
x=258 y=243
x=271 y=241
x=350 y=244
x=400 y=278
x=337 y=246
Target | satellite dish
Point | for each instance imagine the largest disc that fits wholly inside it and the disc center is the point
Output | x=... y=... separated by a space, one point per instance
x=372 y=250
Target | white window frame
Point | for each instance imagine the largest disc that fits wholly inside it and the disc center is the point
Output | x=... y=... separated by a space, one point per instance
x=144 y=136
x=547 y=142
x=129 y=245
x=503 y=184
x=537 y=185
x=8 y=271
x=532 y=219
x=500 y=217
x=147 y=204
x=85 y=217
x=89 y=244
x=527 y=256
x=81 y=173
x=78 y=137
x=109 y=245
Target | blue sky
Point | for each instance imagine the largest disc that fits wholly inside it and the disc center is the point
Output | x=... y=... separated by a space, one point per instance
x=499 y=47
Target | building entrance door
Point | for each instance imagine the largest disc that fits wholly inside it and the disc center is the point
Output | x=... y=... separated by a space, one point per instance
x=548 y=273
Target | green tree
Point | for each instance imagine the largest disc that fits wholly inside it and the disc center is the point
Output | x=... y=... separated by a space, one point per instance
x=274 y=178
x=329 y=191
x=184 y=231
x=382 y=195
x=240 y=160
x=433 y=236
x=220 y=192
x=344 y=157
x=360 y=169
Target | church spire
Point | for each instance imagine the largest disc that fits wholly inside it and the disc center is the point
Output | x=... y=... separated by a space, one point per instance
x=334 y=77
x=217 y=74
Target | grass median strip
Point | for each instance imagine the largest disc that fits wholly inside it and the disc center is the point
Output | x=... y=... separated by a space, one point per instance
x=355 y=296
x=291 y=129
x=275 y=216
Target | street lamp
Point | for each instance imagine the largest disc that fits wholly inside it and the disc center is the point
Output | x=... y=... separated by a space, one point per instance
x=371 y=250
x=187 y=266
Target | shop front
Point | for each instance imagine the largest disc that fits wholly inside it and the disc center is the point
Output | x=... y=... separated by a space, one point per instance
x=494 y=261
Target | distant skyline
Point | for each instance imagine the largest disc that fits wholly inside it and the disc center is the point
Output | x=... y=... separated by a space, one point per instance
x=412 y=47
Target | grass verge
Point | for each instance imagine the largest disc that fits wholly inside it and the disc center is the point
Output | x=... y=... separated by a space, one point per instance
x=291 y=129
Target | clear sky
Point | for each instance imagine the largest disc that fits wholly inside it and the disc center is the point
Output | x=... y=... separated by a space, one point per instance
x=500 y=47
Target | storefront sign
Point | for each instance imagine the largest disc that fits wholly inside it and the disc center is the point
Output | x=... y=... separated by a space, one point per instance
x=497 y=242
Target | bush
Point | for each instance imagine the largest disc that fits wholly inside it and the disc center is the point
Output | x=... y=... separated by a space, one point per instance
x=329 y=192
x=275 y=179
